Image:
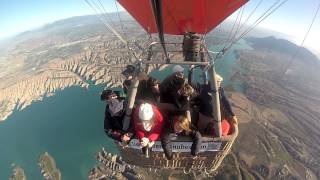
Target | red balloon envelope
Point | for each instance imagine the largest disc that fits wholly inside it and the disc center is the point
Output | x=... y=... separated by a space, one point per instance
x=180 y=16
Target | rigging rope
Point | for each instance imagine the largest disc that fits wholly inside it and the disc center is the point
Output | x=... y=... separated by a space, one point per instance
x=276 y=5
x=110 y=28
x=231 y=36
x=302 y=43
x=106 y=24
x=104 y=12
x=231 y=31
x=120 y=20
x=249 y=16
x=239 y=24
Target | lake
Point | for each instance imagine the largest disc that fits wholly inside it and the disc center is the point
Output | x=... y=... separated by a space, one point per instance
x=68 y=125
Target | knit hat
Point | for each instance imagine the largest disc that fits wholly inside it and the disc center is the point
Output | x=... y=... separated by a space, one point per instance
x=145 y=112
x=177 y=68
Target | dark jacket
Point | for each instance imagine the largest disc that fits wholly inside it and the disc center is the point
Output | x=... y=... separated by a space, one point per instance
x=146 y=93
x=204 y=100
x=169 y=92
x=114 y=114
x=206 y=107
x=126 y=85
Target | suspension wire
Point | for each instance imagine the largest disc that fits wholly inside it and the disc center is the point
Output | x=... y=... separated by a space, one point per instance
x=266 y=14
x=239 y=25
x=102 y=12
x=231 y=31
x=106 y=24
x=302 y=43
x=227 y=47
x=157 y=10
x=120 y=20
x=222 y=51
x=123 y=31
x=249 y=16
x=105 y=13
x=271 y=10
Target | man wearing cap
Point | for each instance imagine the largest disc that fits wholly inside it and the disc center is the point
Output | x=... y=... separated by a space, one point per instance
x=206 y=108
x=148 y=122
x=173 y=88
x=148 y=89
x=178 y=70
x=115 y=108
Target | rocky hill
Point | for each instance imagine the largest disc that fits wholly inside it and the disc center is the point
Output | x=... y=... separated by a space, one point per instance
x=72 y=52
x=279 y=113
x=18 y=174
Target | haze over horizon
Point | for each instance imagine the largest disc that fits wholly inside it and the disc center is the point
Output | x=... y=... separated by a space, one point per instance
x=293 y=18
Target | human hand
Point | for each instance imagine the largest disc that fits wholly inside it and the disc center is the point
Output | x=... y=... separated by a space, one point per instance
x=125 y=137
x=144 y=142
x=150 y=144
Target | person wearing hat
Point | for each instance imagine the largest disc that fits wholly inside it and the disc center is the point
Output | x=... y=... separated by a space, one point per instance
x=178 y=70
x=175 y=90
x=148 y=89
x=205 y=122
x=148 y=122
x=128 y=74
x=114 y=113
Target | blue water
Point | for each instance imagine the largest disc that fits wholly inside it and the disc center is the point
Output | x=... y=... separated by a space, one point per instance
x=227 y=65
x=68 y=125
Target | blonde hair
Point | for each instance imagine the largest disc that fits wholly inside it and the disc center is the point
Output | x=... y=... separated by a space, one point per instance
x=184 y=123
x=187 y=90
x=219 y=78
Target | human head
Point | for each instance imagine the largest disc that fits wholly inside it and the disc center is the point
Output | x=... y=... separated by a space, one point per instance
x=182 y=124
x=219 y=80
x=145 y=112
x=153 y=82
x=178 y=71
x=107 y=95
x=128 y=72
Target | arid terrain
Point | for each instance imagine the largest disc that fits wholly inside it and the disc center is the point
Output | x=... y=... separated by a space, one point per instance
x=279 y=113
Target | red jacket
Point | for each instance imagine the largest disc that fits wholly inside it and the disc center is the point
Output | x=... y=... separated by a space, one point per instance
x=155 y=131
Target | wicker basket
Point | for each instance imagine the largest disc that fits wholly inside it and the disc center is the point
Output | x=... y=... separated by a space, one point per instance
x=208 y=160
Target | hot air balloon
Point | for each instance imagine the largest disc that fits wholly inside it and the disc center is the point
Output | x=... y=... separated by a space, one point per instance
x=191 y=19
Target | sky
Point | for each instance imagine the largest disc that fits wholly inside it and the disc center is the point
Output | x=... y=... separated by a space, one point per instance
x=293 y=18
